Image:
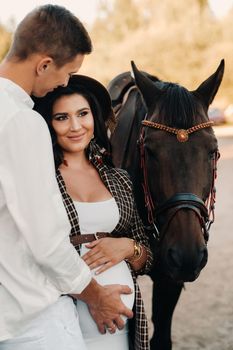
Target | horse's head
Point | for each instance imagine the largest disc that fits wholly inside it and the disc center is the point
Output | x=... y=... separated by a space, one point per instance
x=179 y=151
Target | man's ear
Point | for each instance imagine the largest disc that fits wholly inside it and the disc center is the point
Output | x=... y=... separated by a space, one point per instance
x=43 y=65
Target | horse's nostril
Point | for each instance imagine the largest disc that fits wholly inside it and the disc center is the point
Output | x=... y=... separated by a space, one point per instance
x=203 y=257
x=195 y=262
x=173 y=258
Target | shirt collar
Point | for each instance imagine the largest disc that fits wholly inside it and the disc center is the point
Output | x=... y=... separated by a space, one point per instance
x=17 y=92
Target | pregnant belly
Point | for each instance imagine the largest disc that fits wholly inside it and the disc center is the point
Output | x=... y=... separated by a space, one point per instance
x=117 y=274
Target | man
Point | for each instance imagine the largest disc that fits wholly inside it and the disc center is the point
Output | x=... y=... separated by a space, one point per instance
x=38 y=264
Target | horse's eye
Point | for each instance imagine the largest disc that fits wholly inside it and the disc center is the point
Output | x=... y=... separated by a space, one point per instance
x=212 y=154
x=151 y=152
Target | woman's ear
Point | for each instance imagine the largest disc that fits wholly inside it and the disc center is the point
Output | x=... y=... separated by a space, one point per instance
x=43 y=65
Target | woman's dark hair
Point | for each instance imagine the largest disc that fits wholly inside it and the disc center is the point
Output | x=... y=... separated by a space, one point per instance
x=100 y=129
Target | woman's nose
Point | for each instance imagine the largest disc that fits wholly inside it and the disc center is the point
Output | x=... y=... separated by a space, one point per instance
x=75 y=124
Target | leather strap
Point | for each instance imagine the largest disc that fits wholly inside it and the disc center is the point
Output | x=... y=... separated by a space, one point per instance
x=89 y=237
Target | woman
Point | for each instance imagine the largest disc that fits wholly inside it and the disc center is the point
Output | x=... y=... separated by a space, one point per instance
x=106 y=228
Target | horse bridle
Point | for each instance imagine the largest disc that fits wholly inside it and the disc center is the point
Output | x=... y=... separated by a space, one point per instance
x=204 y=211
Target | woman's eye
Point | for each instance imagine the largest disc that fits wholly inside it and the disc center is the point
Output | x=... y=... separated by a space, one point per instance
x=83 y=113
x=60 y=117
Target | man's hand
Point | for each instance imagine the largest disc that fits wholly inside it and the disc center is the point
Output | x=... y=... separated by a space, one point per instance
x=105 y=305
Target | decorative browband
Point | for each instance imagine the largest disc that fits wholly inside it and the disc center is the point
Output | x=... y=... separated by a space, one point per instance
x=182 y=135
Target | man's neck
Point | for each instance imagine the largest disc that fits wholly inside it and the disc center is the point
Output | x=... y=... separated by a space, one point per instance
x=19 y=72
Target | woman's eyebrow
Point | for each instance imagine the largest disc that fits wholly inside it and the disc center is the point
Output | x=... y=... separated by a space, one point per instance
x=83 y=108
x=66 y=113
x=59 y=113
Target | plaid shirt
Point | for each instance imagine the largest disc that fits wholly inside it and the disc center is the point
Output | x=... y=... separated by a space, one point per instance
x=119 y=185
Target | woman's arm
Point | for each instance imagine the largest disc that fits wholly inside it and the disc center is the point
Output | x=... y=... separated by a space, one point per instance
x=137 y=233
x=139 y=257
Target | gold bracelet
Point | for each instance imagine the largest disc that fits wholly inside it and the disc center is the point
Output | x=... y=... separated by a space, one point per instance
x=138 y=250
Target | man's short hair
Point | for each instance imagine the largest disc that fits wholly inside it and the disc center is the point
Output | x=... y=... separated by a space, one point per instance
x=51 y=30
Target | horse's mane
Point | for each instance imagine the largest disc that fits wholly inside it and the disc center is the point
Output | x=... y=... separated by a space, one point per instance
x=177 y=106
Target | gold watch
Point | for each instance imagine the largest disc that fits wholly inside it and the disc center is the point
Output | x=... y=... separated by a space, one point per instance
x=137 y=252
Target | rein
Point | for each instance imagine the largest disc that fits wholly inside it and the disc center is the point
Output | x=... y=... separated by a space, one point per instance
x=204 y=211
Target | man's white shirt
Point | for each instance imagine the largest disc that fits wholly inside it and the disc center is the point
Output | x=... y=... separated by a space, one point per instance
x=37 y=261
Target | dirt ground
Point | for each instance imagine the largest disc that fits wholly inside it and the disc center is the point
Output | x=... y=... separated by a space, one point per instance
x=203 y=318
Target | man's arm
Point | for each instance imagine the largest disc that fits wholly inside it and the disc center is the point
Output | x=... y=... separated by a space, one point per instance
x=33 y=199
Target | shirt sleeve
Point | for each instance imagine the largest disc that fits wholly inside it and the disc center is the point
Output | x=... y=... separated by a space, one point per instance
x=27 y=177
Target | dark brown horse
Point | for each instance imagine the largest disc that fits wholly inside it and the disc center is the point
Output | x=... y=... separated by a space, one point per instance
x=164 y=139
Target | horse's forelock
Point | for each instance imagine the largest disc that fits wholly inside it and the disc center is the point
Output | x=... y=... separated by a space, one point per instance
x=177 y=107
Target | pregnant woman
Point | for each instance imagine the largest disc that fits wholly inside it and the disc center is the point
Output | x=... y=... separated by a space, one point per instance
x=105 y=227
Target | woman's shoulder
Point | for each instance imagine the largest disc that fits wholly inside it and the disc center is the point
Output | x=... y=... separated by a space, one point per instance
x=120 y=172
x=99 y=160
x=122 y=176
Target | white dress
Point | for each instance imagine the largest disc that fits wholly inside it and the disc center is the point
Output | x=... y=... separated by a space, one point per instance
x=103 y=217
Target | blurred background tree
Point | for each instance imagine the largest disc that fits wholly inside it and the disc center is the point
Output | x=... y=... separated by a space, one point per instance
x=180 y=41
x=5 y=40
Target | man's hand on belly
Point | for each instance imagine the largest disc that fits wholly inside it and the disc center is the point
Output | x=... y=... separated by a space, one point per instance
x=105 y=305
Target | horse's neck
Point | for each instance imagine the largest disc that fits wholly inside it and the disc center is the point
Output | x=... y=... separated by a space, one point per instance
x=125 y=147
x=126 y=131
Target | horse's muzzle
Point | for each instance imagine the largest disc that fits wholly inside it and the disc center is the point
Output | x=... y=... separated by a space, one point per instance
x=182 y=266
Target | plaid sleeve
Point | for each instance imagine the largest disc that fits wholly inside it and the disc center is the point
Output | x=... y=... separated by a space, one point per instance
x=137 y=231
x=139 y=235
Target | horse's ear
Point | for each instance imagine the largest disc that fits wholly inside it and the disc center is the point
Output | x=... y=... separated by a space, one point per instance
x=145 y=85
x=208 y=89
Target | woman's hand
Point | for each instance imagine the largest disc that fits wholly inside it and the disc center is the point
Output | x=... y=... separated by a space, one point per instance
x=107 y=252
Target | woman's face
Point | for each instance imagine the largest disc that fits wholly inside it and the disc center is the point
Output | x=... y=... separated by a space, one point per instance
x=73 y=122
